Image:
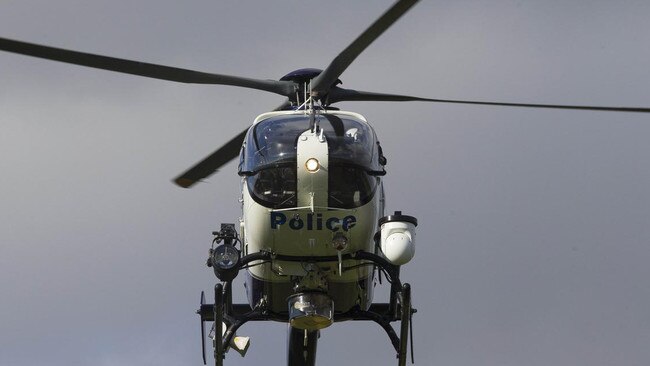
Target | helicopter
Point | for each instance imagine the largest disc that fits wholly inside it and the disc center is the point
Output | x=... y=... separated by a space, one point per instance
x=310 y=94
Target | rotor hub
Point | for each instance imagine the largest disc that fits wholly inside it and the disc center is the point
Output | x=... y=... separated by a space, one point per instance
x=302 y=76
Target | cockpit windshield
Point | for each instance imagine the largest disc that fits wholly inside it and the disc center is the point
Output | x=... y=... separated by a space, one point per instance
x=272 y=142
x=270 y=154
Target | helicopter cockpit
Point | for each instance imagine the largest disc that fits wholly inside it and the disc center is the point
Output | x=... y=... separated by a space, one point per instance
x=268 y=159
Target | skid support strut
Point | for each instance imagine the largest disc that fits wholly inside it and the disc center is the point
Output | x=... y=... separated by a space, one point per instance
x=218 y=324
x=405 y=322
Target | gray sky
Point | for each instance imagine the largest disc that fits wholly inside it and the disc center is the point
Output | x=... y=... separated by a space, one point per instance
x=534 y=233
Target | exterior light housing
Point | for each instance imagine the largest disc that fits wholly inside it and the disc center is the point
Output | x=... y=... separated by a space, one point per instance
x=225 y=261
x=312 y=165
x=311 y=310
x=340 y=241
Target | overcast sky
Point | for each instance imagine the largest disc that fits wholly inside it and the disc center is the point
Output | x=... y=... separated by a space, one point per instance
x=534 y=236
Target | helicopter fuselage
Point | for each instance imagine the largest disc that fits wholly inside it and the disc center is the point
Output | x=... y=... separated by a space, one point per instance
x=312 y=191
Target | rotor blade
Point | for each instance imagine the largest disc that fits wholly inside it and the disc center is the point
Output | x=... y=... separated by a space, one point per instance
x=322 y=83
x=339 y=95
x=285 y=88
x=214 y=161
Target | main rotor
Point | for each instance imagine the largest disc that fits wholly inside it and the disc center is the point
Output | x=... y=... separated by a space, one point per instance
x=297 y=86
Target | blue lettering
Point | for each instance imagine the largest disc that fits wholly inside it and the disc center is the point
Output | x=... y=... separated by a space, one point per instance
x=296 y=223
x=348 y=222
x=277 y=219
x=333 y=223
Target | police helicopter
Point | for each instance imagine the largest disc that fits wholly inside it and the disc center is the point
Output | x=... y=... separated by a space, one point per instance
x=314 y=235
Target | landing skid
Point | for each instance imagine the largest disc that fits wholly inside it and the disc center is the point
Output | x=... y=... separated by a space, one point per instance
x=302 y=348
